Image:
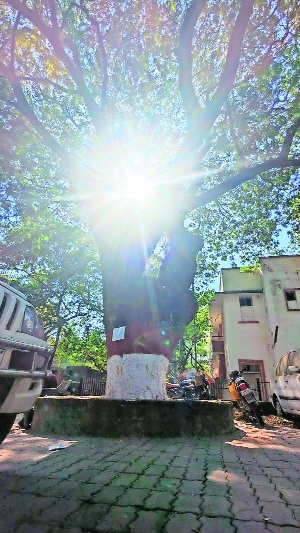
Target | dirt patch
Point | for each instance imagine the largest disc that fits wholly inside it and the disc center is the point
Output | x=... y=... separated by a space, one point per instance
x=270 y=420
x=273 y=420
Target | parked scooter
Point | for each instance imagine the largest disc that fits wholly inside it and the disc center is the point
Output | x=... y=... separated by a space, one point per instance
x=243 y=398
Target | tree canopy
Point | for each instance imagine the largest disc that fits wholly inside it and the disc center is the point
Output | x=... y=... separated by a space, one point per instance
x=197 y=98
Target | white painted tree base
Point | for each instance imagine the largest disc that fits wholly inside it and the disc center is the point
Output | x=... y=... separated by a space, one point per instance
x=137 y=376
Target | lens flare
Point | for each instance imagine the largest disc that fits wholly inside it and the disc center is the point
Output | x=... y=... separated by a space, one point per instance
x=136 y=190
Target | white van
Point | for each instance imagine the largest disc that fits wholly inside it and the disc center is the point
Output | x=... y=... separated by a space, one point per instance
x=24 y=356
x=286 y=385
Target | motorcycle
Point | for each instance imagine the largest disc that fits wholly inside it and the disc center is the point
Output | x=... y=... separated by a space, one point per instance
x=174 y=391
x=186 y=391
x=243 y=398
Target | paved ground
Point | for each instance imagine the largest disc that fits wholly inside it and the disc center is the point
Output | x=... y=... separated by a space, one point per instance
x=249 y=482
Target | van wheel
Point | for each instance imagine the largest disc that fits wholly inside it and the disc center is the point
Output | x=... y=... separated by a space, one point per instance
x=296 y=423
x=278 y=409
x=6 y=423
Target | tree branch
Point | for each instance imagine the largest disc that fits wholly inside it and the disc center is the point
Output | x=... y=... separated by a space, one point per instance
x=244 y=175
x=23 y=106
x=201 y=122
x=185 y=59
x=75 y=73
x=290 y=134
x=95 y=25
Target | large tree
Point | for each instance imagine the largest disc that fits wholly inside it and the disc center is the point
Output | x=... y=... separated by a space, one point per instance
x=148 y=112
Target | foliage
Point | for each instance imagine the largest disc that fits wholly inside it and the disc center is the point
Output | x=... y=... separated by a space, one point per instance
x=200 y=97
x=194 y=347
x=82 y=350
x=55 y=264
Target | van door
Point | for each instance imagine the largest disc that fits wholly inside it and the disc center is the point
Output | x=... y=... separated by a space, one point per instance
x=281 y=382
x=293 y=385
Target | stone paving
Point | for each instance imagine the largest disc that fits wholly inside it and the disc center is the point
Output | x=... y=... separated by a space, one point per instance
x=243 y=483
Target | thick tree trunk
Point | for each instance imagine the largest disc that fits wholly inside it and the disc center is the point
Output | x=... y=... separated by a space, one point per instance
x=138 y=361
x=137 y=376
x=145 y=317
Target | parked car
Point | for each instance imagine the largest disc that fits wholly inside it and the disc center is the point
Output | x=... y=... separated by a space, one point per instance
x=286 y=385
x=24 y=356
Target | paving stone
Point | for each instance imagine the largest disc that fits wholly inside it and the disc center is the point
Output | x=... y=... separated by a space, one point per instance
x=259 y=480
x=258 y=527
x=60 y=474
x=148 y=522
x=240 y=506
x=192 y=486
x=44 y=486
x=155 y=470
x=235 y=478
x=116 y=520
x=124 y=480
x=87 y=515
x=169 y=484
x=290 y=473
x=215 y=489
x=272 y=472
x=279 y=514
x=26 y=506
x=61 y=529
x=216 y=525
x=103 y=478
x=193 y=475
x=57 y=512
x=16 y=483
x=268 y=494
x=182 y=523
x=255 y=475
x=216 y=506
x=240 y=492
x=136 y=468
x=219 y=476
x=283 y=482
x=164 y=459
x=134 y=497
x=181 y=461
x=252 y=469
x=32 y=528
x=175 y=472
x=159 y=500
x=145 y=482
x=249 y=515
x=108 y=495
x=118 y=467
x=186 y=503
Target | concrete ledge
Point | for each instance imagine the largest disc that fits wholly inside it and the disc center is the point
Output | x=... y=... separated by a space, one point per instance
x=101 y=417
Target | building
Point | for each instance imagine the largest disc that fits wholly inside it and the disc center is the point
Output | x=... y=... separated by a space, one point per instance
x=255 y=319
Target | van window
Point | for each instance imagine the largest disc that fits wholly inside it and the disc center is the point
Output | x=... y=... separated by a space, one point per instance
x=281 y=368
x=294 y=359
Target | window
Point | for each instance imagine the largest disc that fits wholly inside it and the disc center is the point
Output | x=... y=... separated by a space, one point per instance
x=246 y=302
x=251 y=368
x=281 y=367
x=292 y=298
x=247 y=309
